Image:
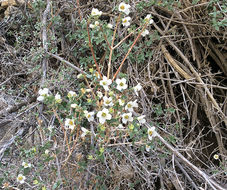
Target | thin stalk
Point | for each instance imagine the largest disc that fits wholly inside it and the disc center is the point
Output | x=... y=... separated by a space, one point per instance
x=130 y=49
x=92 y=51
x=111 y=49
x=125 y=38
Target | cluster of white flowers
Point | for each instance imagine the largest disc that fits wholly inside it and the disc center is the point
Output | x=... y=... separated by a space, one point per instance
x=125 y=8
x=95 y=25
x=71 y=94
x=42 y=94
x=95 y=12
x=148 y=19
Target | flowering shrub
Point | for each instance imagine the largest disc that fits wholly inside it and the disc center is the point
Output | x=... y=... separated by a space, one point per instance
x=111 y=110
x=103 y=110
x=98 y=129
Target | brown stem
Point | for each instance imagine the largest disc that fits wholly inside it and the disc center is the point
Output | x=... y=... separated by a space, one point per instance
x=111 y=50
x=130 y=49
x=92 y=51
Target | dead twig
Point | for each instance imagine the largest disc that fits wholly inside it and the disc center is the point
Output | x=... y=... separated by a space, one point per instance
x=67 y=63
x=211 y=182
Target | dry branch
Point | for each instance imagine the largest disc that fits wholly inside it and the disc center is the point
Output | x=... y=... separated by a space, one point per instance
x=174 y=64
x=196 y=74
x=211 y=182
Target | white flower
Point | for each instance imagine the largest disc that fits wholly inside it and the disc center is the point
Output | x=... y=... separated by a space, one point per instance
x=46 y=152
x=151 y=133
x=71 y=94
x=91 y=26
x=104 y=115
x=88 y=90
x=105 y=83
x=110 y=26
x=149 y=19
x=148 y=148
x=26 y=165
x=141 y=119
x=21 y=178
x=107 y=101
x=58 y=98
x=145 y=32
x=40 y=98
x=216 y=156
x=69 y=123
x=94 y=25
x=137 y=88
x=99 y=94
x=121 y=84
x=85 y=132
x=124 y=8
x=121 y=102
x=126 y=21
x=127 y=117
x=73 y=105
x=89 y=115
x=96 y=12
x=44 y=92
x=120 y=126
x=96 y=74
x=130 y=105
x=80 y=76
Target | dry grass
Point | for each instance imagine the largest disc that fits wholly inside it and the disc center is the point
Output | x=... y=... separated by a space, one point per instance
x=187 y=71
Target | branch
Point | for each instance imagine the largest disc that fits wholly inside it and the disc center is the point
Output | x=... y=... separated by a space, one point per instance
x=67 y=63
x=211 y=182
x=92 y=51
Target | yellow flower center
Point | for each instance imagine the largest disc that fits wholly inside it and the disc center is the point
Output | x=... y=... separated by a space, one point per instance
x=125 y=20
x=88 y=115
x=150 y=133
x=126 y=117
x=70 y=122
x=121 y=84
x=20 y=178
x=129 y=105
x=107 y=102
x=216 y=157
x=103 y=114
x=104 y=83
x=122 y=7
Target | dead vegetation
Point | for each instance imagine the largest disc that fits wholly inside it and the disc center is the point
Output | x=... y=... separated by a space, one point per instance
x=185 y=70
